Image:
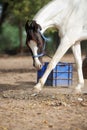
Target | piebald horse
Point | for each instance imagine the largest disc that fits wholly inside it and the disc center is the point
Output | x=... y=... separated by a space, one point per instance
x=70 y=18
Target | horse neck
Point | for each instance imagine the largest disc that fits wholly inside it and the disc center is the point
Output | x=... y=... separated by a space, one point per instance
x=53 y=14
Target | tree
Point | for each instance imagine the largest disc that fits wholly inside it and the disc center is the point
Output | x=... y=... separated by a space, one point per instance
x=20 y=11
x=3 y=9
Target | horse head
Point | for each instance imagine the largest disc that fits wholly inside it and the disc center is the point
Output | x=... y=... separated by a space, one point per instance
x=35 y=42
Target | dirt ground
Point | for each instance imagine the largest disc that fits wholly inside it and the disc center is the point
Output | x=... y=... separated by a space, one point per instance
x=55 y=108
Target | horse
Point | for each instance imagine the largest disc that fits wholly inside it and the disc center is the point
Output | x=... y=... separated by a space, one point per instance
x=70 y=18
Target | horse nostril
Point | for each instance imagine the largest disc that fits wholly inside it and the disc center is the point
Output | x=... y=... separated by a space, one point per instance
x=40 y=66
x=34 y=65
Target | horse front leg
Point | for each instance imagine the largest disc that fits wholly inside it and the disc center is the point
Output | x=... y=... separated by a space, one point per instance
x=63 y=47
x=77 y=55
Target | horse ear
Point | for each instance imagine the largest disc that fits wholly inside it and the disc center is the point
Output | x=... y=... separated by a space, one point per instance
x=32 y=25
x=39 y=27
x=35 y=25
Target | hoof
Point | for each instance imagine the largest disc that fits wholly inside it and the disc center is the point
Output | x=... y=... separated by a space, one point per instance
x=78 y=90
x=37 y=89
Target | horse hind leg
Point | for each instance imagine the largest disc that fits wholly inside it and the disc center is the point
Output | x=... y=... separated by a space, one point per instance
x=77 y=55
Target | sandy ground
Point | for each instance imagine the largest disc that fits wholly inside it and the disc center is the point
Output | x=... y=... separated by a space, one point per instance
x=53 y=109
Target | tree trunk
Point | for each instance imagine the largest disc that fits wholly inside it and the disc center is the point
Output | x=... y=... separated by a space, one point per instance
x=20 y=38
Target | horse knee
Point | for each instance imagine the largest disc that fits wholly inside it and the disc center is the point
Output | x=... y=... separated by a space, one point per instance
x=51 y=65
